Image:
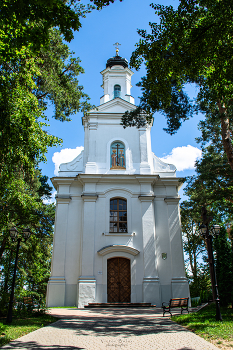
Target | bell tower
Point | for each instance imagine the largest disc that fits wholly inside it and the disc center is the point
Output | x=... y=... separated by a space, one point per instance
x=116 y=79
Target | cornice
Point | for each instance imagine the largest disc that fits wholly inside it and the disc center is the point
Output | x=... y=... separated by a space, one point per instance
x=172 y=200
x=60 y=180
x=146 y=198
x=89 y=197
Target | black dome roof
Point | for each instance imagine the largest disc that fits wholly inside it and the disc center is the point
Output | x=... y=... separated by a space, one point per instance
x=117 y=61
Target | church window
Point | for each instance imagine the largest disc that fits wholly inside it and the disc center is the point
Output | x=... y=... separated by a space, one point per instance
x=118 y=215
x=117 y=160
x=117 y=91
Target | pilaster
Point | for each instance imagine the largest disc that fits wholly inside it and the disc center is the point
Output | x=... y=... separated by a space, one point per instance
x=91 y=166
x=144 y=161
x=174 y=224
x=87 y=282
x=148 y=233
x=56 y=284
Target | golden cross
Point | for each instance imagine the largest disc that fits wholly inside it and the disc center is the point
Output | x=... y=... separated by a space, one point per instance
x=117 y=49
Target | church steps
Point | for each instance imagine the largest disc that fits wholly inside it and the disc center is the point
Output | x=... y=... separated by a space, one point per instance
x=118 y=305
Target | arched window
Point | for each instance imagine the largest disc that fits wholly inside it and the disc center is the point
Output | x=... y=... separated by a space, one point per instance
x=117 y=91
x=118 y=215
x=117 y=154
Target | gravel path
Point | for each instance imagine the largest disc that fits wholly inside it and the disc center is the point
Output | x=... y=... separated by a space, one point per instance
x=111 y=329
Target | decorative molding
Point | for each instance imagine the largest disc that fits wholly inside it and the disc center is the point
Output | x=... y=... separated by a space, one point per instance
x=76 y=165
x=119 y=234
x=161 y=166
x=179 y=280
x=86 y=279
x=57 y=279
x=63 y=198
x=89 y=197
x=118 y=248
x=144 y=198
x=92 y=126
x=151 y=280
x=172 y=200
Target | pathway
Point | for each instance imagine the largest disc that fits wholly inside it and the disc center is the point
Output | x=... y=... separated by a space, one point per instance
x=111 y=329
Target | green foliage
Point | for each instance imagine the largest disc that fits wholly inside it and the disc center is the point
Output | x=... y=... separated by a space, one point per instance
x=35 y=255
x=224 y=268
x=204 y=324
x=57 y=81
x=27 y=84
x=28 y=23
x=194 y=248
x=101 y=3
x=136 y=118
x=186 y=46
x=23 y=326
x=190 y=45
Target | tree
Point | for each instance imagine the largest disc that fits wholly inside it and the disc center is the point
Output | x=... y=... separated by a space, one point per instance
x=212 y=187
x=192 y=44
x=224 y=267
x=35 y=255
x=195 y=252
x=27 y=86
x=28 y=23
x=192 y=242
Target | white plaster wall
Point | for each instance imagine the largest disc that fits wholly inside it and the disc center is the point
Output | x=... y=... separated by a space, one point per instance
x=116 y=75
x=85 y=187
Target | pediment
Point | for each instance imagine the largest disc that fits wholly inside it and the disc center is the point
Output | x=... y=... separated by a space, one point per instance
x=117 y=105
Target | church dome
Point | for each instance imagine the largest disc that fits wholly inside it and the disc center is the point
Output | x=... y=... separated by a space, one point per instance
x=117 y=61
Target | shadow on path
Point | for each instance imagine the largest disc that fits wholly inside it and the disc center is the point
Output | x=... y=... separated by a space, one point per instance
x=124 y=327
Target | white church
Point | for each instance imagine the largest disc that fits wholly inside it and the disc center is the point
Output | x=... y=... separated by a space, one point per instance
x=117 y=232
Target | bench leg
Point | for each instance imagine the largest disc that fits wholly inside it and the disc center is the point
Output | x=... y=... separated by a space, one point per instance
x=164 y=311
x=182 y=309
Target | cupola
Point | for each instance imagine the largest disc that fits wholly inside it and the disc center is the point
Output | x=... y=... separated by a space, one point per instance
x=116 y=79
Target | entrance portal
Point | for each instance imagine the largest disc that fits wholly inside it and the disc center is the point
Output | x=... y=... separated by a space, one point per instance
x=118 y=280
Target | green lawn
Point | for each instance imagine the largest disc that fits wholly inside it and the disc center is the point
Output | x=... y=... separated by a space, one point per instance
x=22 y=326
x=204 y=324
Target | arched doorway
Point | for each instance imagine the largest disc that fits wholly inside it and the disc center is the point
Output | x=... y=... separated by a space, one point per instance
x=118 y=280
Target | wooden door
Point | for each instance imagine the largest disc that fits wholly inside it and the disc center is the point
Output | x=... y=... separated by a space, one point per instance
x=118 y=280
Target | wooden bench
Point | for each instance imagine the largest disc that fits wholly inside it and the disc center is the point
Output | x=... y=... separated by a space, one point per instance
x=27 y=301
x=176 y=302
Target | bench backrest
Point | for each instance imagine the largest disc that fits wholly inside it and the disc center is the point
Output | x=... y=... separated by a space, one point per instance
x=27 y=300
x=179 y=302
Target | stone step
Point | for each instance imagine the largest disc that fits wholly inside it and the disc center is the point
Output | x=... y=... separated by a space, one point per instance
x=117 y=305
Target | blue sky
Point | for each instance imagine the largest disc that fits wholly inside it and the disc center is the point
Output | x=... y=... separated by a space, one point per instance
x=93 y=44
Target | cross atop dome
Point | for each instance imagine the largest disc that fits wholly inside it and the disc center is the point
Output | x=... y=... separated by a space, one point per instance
x=117 y=49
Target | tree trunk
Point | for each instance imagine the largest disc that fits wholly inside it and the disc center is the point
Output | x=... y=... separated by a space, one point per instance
x=226 y=135
x=2 y=248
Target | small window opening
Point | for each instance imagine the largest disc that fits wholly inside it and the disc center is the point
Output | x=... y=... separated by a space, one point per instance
x=117 y=91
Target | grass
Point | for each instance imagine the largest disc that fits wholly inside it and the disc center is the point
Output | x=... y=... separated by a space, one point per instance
x=22 y=326
x=204 y=324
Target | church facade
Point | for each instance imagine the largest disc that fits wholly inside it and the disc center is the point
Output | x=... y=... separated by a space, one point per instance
x=117 y=229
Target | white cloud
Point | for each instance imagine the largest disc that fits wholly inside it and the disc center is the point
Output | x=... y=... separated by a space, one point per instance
x=50 y=200
x=183 y=157
x=65 y=156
